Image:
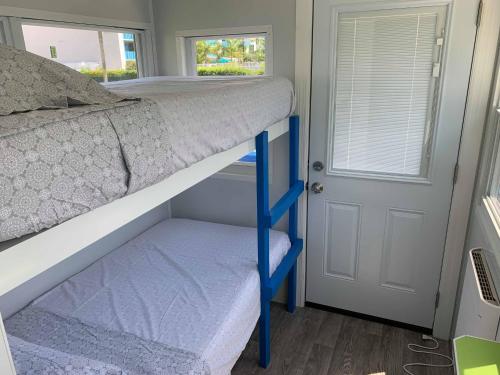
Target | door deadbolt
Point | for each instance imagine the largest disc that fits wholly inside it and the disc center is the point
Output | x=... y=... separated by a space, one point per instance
x=318 y=166
x=317 y=188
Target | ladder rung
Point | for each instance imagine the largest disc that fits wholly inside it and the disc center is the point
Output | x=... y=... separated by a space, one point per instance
x=281 y=272
x=284 y=203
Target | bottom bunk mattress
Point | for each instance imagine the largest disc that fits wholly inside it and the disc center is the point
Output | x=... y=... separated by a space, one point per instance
x=187 y=286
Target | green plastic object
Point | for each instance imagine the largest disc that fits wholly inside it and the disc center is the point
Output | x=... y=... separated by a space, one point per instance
x=475 y=356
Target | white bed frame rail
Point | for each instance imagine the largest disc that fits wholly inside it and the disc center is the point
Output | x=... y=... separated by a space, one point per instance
x=31 y=257
x=6 y=362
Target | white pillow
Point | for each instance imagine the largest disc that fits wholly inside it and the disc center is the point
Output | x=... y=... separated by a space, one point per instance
x=29 y=82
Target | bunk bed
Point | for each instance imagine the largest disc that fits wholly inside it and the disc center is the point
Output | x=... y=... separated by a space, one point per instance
x=248 y=283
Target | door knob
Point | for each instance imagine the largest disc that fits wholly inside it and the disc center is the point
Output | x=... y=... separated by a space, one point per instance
x=318 y=166
x=317 y=188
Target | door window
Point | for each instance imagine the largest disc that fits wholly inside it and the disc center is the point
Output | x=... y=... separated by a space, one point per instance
x=386 y=75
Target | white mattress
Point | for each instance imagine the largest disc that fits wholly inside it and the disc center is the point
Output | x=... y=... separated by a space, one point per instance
x=189 y=284
x=58 y=164
x=152 y=86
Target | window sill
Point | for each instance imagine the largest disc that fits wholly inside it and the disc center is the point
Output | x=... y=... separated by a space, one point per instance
x=238 y=171
x=241 y=171
x=245 y=171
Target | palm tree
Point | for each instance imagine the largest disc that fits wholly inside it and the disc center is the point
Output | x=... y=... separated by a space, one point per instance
x=217 y=49
x=202 y=50
x=234 y=47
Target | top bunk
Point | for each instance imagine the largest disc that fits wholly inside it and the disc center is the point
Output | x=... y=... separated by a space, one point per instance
x=120 y=160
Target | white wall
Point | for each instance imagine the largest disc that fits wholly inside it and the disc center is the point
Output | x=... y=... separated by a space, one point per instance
x=129 y=10
x=220 y=200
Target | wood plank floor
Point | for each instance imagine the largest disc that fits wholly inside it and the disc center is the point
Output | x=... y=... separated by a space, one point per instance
x=316 y=342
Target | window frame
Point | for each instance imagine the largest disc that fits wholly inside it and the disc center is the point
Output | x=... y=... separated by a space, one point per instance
x=5 y=34
x=144 y=42
x=487 y=204
x=186 y=47
x=491 y=199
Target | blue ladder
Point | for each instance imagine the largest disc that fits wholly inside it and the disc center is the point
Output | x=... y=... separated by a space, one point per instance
x=266 y=218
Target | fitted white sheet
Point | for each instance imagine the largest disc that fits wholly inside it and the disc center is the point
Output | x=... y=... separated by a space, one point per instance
x=189 y=284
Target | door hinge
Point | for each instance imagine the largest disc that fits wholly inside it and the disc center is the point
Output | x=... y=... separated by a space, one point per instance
x=306 y=186
x=436 y=303
x=455 y=173
x=479 y=13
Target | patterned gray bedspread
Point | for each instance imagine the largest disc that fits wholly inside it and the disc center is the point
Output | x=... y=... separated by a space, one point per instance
x=31 y=359
x=42 y=337
x=57 y=164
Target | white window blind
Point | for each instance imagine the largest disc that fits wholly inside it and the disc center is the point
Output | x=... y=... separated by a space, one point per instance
x=384 y=68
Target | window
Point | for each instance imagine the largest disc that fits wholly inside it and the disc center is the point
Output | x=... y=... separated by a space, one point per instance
x=105 y=55
x=251 y=157
x=230 y=56
x=386 y=75
x=226 y=52
x=245 y=169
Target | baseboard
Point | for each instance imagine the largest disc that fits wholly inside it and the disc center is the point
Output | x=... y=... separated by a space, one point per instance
x=411 y=327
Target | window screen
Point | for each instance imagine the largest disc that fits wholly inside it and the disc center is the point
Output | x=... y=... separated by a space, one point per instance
x=383 y=91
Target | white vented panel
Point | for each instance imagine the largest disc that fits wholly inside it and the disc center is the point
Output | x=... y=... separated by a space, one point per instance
x=479 y=312
x=383 y=91
x=485 y=284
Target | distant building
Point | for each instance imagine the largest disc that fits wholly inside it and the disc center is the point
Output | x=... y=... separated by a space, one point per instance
x=79 y=48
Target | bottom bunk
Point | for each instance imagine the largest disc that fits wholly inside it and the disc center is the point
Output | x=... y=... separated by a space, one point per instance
x=181 y=298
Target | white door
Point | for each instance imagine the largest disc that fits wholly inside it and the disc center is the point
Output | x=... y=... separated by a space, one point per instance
x=388 y=95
